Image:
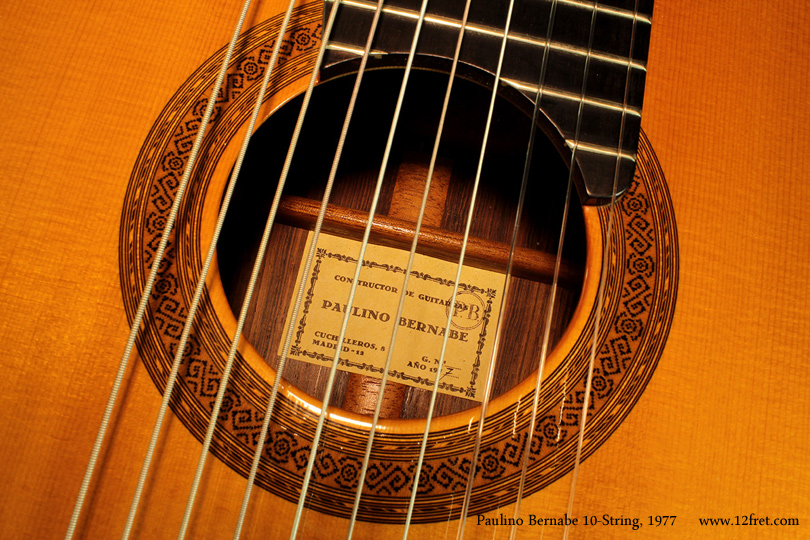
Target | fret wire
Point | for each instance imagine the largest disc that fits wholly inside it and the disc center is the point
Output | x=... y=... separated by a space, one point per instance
x=147 y=290
x=624 y=13
x=358 y=268
x=167 y=392
x=599 y=303
x=308 y=263
x=406 y=279
x=602 y=104
x=608 y=10
x=470 y=213
x=248 y=295
x=495 y=32
x=549 y=317
x=346 y=48
x=573 y=158
x=602 y=150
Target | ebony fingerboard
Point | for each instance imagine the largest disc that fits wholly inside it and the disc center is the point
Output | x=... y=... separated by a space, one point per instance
x=611 y=108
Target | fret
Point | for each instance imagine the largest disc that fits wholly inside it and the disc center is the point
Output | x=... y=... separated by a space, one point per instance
x=356 y=51
x=600 y=126
x=601 y=150
x=624 y=13
x=550 y=92
x=452 y=22
x=609 y=59
x=527 y=88
x=512 y=37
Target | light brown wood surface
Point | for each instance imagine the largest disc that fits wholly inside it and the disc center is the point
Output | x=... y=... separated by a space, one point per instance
x=720 y=431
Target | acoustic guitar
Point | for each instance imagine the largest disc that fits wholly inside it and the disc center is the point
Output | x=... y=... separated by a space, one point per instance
x=621 y=356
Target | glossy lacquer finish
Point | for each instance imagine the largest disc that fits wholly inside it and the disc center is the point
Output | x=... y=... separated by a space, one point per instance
x=703 y=407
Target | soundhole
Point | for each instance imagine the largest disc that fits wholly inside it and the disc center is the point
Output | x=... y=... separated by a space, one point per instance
x=497 y=201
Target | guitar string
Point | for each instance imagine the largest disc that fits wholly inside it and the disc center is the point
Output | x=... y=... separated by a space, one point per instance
x=196 y=298
x=147 y=290
x=253 y=120
x=452 y=302
x=358 y=267
x=553 y=292
x=307 y=265
x=241 y=155
x=507 y=278
x=406 y=278
x=192 y=311
x=251 y=285
x=611 y=209
x=328 y=390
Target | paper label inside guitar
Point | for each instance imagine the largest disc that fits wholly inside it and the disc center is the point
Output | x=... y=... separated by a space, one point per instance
x=421 y=326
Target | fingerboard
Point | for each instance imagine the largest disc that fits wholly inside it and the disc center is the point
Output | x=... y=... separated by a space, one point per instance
x=607 y=107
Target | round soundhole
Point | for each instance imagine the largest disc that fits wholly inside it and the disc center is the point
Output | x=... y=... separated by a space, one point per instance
x=526 y=308
x=636 y=312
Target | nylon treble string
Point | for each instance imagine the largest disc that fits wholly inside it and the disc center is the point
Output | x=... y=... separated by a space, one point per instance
x=507 y=280
x=547 y=329
x=602 y=280
x=554 y=285
x=470 y=213
x=358 y=267
x=406 y=278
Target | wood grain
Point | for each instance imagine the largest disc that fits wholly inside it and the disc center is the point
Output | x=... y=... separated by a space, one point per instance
x=721 y=428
